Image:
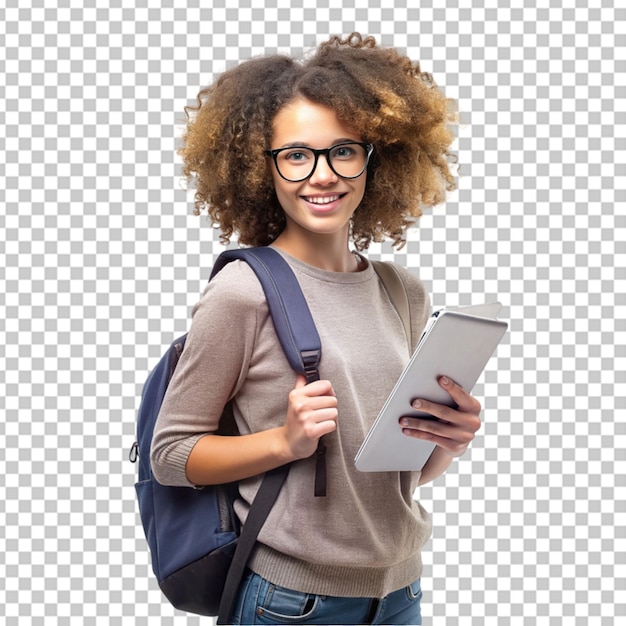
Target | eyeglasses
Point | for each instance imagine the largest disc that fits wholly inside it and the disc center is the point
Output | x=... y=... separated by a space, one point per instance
x=348 y=159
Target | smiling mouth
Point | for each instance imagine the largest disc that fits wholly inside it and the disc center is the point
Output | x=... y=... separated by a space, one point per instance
x=323 y=199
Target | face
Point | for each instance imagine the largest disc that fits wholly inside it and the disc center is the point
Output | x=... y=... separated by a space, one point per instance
x=324 y=203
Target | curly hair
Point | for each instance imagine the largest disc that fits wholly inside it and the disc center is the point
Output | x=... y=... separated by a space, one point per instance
x=375 y=91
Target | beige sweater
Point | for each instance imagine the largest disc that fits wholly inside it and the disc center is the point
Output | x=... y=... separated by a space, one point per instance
x=362 y=539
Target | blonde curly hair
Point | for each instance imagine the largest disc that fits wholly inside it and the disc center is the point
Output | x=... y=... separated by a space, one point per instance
x=377 y=92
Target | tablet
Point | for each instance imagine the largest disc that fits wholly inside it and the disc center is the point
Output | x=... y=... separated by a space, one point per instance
x=455 y=344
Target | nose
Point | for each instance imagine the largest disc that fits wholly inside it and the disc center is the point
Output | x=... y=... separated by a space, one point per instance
x=323 y=174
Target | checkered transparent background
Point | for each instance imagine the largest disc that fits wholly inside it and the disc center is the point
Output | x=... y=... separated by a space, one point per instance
x=101 y=260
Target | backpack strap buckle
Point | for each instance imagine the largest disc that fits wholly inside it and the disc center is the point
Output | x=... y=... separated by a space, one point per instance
x=311 y=360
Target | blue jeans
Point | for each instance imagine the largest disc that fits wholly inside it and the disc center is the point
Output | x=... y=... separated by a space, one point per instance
x=261 y=602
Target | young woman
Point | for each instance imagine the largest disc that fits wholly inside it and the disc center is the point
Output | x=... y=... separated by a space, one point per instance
x=307 y=157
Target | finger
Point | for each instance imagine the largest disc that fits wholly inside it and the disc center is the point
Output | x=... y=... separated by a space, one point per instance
x=447 y=415
x=316 y=388
x=320 y=388
x=326 y=416
x=305 y=405
x=320 y=422
x=436 y=430
x=465 y=402
x=319 y=403
x=455 y=447
x=312 y=397
x=319 y=429
x=439 y=411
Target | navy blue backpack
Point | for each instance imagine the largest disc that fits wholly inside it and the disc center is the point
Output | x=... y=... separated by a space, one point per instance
x=198 y=553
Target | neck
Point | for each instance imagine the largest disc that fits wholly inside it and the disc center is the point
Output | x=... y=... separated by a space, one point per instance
x=324 y=252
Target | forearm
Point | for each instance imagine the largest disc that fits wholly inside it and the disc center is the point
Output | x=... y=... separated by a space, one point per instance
x=436 y=465
x=218 y=459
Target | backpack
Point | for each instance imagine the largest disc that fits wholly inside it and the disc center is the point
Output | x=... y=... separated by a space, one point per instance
x=197 y=550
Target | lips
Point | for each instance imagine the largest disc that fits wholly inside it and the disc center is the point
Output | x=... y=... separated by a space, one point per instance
x=323 y=200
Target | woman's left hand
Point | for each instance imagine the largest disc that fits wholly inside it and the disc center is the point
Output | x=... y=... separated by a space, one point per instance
x=454 y=429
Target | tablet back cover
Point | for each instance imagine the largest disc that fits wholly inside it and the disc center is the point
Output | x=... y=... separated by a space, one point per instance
x=456 y=345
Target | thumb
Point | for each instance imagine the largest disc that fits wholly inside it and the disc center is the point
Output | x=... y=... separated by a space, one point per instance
x=300 y=381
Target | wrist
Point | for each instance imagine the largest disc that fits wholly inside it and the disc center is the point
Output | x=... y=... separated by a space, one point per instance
x=280 y=447
x=437 y=464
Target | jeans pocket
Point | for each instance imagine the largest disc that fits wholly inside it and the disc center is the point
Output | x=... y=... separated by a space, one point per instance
x=285 y=606
x=414 y=590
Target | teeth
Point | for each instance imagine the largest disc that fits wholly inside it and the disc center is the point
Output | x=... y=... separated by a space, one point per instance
x=322 y=199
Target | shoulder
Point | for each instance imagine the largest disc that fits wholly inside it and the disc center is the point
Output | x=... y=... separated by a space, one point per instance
x=232 y=303
x=416 y=290
x=410 y=279
x=419 y=299
x=235 y=289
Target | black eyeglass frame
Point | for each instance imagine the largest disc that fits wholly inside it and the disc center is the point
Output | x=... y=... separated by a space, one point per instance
x=368 y=147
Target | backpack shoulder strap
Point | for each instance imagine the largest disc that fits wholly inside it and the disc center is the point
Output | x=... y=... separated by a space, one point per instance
x=290 y=313
x=302 y=346
x=394 y=285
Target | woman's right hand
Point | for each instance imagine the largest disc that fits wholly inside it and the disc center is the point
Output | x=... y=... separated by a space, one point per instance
x=312 y=413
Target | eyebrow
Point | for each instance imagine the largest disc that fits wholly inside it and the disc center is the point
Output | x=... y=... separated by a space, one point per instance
x=304 y=144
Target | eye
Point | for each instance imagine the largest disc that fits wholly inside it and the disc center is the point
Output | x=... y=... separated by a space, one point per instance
x=296 y=156
x=344 y=152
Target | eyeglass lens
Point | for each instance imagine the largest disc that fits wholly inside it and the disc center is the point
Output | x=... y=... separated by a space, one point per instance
x=347 y=160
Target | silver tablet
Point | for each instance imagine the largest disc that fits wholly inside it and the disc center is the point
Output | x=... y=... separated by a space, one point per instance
x=455 y=344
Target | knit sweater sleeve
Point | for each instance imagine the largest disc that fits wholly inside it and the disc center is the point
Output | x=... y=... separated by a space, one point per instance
x=212 y=367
